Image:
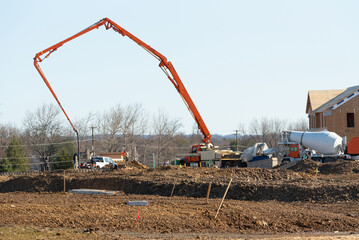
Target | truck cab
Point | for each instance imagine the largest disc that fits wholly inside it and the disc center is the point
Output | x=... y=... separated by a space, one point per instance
x=193 y=158
x=292 y=151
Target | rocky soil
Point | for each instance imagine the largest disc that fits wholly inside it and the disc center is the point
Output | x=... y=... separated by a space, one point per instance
x=259 y=201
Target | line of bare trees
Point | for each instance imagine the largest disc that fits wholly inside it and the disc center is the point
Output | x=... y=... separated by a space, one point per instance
x=121 y=128
x=131 y=129
x=268 y=130
x=45 y=136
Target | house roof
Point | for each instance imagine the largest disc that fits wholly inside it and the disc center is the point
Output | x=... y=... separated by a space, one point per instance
x=113 y=155
x=317 y=98
x=339 y=99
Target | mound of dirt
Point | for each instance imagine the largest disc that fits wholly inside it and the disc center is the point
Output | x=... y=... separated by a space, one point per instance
x=165 y=168
x=136 y=164
x=340 y=167
x=36 y=183
x=337 y=167
x=261 y=174
x=247 y=183
x=306 y=166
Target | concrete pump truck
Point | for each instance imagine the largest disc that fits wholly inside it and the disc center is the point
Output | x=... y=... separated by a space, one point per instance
x=200 y=154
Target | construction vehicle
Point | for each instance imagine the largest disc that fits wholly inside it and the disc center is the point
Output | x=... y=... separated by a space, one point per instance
x=204 y=152
x=323 y=146
x=202 y=156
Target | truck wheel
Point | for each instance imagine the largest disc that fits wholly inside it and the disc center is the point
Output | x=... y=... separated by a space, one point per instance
x=242 y=164
x=226 y=164
x=184 y=162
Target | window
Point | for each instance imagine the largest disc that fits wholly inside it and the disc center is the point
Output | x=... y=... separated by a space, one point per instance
x=98 y=159
x=293 y=149
x=350 y=120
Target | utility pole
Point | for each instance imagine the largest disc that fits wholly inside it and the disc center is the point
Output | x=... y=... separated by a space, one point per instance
x=236 y=139
x=92 y=146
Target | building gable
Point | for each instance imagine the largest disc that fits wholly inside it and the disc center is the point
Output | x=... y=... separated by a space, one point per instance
x=339 y=100
x=346 y=99
x=337 y=114
x=317 y=98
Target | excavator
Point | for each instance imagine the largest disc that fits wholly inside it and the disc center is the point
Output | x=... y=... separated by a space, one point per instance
x=199 y=153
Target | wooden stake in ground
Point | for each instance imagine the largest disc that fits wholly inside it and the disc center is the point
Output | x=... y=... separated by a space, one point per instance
x=64 y=182
x=173 y=189
x=224 y=196
x=208 y=191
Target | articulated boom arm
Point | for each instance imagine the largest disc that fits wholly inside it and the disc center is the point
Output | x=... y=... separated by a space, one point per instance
x=165 y=65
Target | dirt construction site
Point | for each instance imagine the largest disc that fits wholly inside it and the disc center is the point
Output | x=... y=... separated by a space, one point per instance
x=308 y=201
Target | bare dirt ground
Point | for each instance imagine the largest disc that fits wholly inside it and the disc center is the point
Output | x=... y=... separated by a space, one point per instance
x=261 y=203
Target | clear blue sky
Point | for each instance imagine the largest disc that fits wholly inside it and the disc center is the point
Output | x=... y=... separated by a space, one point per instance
x=239 y=60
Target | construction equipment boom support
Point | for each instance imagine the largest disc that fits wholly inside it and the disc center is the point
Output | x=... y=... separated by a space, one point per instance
x=165 y=65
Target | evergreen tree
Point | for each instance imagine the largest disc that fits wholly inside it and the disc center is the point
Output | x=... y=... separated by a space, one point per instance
x=64 y=158
x=15 y=160
x=5 y=166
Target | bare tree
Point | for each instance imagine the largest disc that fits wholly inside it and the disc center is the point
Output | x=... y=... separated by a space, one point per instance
x=299 y=125
x=108 y=128
x=144 y=132
x=196 y=136
x=83 y=126
x=131 y=128
x=165 y=131
x=267 y=130
x=260 y=129
x=43 y=130
x=118 y=128
x=277 y=126
x=245 y=139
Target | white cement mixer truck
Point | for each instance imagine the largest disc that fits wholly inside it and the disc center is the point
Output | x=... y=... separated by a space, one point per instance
x=324 y=146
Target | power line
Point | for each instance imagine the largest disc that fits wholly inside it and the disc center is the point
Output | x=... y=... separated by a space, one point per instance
x=28 y=164
x=34 y=157
x=44 y=144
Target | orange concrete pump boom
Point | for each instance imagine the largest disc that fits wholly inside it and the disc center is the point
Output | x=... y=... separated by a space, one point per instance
x=165 y=65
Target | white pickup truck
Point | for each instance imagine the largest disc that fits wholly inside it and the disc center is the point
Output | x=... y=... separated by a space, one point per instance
x=100 y=162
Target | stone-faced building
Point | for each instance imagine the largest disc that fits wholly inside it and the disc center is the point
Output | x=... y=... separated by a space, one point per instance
x=336 y=110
